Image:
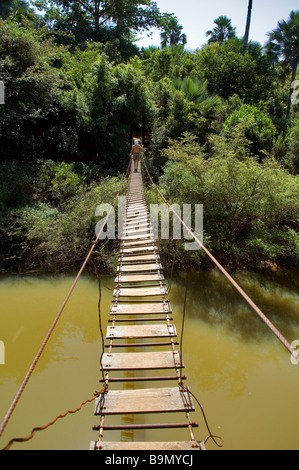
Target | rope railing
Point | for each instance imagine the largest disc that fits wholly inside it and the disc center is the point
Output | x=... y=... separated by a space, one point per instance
x=51 y=329
x=257 y=310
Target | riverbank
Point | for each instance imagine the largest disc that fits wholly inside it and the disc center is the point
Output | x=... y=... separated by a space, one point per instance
x=48 y=216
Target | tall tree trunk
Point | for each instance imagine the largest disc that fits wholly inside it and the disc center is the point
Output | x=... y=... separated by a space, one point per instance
x=294 y=72
x=96 y=14
x=246 y=37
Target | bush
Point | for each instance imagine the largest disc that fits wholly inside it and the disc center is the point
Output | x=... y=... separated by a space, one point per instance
x=251 y=209
x=44 y=238
x=258 y=127
x=57 y=182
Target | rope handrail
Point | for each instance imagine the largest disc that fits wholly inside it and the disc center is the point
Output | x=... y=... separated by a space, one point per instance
x=277 y=333
x=50 y=331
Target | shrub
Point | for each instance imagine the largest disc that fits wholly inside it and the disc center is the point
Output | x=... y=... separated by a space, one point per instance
x=57 y=182
x=44 y=238
x=258 y=127
x=251 y=209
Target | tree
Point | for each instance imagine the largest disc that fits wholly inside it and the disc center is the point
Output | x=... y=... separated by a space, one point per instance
x=222 y=31
x=229 y=71
x=99 y=20
x=246 y=37
x=283 y=45
x=172 y=32
x=257 y=127
x=15 y=7
x=196 y=91
x=42 y=103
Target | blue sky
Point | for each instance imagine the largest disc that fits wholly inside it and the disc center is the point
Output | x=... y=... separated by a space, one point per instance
x=197 y=17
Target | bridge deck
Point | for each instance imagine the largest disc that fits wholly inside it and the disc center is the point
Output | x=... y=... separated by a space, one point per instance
x=140 y=296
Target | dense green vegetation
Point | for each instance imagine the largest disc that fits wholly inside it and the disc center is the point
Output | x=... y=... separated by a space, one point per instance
x=220 y=128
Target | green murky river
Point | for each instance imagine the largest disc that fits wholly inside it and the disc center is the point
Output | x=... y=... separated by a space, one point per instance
x=240 y=373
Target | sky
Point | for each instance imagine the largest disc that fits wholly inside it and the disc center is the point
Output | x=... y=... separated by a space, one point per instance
x=197 y=17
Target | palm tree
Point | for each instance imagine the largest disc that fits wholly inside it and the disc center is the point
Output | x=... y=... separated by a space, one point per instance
x=246 y=37
x=172 y=34
x=283 y=45
x=196 y=91
x=222 y=31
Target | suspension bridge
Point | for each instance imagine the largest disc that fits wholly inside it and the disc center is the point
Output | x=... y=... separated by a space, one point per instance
x=141 y=313
x=141 y=353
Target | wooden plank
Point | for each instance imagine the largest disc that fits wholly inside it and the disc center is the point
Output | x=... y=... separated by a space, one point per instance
x=136 y=221
x=140 y=308
x=132 y=224
x=137 y=229
x=144 y=216
x=136 y=226
x=138 y=237
x=139 y=278
x=139 y=257
x=140 y=211
x=154 y=445
x=147 y=400
x=145 y=223
x=137 y=218
x=139 y=199
x=139 y=267
x=145 y=378
x=142 y=345
x=136 y=243
x=141 y=249
x=139 y=291
x=115 y=427
x=137 y=213
x=141 y=360
x=141 y=331
x=131 y=203
x=136 y=206
x=139 y=319
x=142 y=231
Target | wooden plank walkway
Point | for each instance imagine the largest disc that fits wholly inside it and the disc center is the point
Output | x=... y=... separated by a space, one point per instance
x=140 y=297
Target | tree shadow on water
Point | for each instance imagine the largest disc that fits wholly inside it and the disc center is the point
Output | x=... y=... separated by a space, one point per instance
x=214 y=300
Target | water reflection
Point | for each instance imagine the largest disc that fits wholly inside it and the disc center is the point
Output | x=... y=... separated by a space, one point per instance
x=214 y=300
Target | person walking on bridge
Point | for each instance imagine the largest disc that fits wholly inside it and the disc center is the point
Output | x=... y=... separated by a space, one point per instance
x=135 y=154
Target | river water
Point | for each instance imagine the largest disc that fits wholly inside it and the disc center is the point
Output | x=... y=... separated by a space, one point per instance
x=240 y=373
